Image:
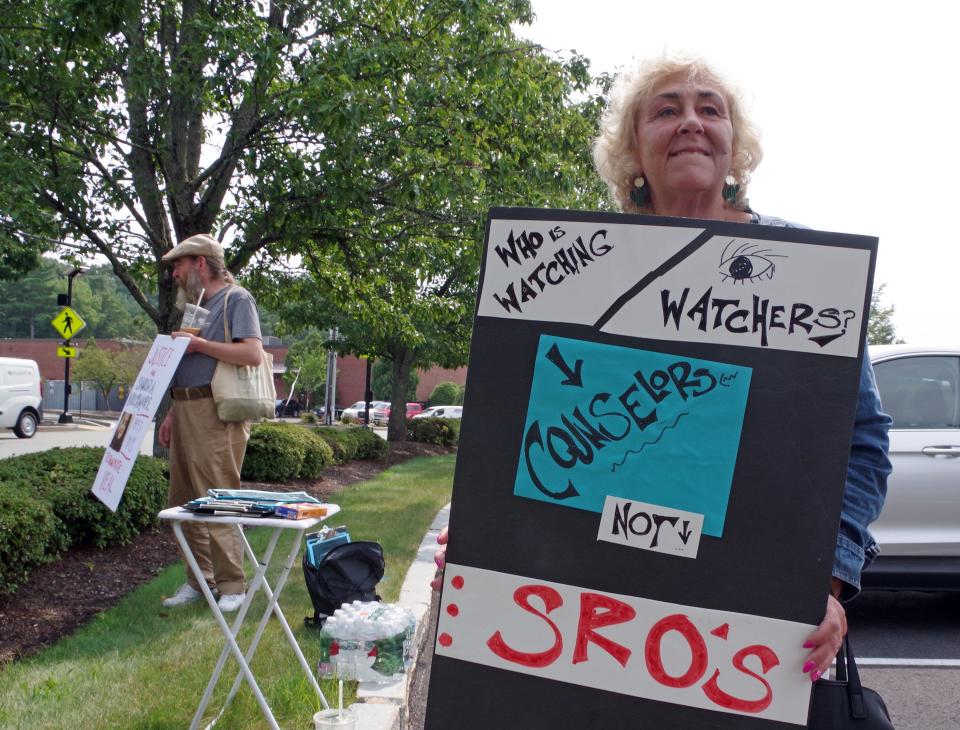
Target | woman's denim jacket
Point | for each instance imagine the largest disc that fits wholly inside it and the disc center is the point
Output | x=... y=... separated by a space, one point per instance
x=867 y=471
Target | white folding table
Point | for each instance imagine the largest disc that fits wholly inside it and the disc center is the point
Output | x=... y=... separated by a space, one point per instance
x=177 y=516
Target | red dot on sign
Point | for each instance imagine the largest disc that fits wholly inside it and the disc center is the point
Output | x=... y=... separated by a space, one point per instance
x=722 y=631
x=453 y=609
x=445 y=640
x=457 y=582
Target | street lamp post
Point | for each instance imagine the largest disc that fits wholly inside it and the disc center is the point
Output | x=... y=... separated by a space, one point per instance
x=66 y=417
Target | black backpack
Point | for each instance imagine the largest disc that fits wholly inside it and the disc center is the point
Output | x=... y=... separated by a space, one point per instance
x=348 y=572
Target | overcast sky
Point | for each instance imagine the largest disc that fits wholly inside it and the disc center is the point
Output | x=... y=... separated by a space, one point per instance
x=858 y=110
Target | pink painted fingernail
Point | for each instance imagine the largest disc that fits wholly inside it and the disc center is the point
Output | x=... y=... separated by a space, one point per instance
x=439 y=560
x=815 y=675
x=808 y=645
x=808 y=666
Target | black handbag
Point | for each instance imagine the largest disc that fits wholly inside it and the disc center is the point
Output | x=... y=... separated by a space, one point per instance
x=843 y=702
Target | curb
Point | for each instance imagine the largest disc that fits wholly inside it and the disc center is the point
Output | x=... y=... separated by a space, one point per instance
x=383 y=706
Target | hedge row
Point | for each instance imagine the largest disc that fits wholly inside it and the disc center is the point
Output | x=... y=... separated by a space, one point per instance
x=46 y=506
x=281 y=452
x=353 y=443
x=442 y=431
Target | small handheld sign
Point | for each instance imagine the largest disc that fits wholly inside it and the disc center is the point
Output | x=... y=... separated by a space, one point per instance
x=138 y=411
x=651 y=467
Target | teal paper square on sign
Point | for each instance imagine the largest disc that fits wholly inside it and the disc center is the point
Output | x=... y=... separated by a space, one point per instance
x=649 y=426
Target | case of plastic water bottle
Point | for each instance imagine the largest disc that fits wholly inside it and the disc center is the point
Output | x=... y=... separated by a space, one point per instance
x=367 y=641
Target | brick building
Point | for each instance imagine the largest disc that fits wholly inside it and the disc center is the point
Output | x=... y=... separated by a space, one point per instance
x=351 y=371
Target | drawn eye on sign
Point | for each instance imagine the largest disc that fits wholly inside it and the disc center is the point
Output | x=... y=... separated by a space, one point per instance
x=747 y=262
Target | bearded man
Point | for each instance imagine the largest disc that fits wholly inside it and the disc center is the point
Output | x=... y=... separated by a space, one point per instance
x=205 y=452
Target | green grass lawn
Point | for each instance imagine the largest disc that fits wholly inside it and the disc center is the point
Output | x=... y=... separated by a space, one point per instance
x=141 y=666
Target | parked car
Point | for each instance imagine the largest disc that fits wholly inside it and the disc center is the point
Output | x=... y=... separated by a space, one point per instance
x=441 y=412
x=21 y=396
x=381 y=416
x=320 y=412
x=289 y=408
x=919 y=528
x=357 y=410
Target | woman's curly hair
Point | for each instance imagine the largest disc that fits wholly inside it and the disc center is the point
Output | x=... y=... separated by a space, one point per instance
x=616 y=149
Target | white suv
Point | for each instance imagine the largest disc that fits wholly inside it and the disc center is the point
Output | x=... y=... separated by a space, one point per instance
x=21 y=397
x=919 y=528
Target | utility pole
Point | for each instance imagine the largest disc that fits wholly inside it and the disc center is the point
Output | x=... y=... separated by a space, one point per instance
x=330 y=393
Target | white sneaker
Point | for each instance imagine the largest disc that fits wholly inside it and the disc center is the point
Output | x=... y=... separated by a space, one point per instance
x=185 y=594
x=230 y=602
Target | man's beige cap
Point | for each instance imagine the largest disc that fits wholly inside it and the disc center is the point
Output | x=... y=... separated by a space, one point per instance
x=198 y=245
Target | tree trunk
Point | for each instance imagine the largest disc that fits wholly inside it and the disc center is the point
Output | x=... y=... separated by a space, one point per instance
x=397 y=427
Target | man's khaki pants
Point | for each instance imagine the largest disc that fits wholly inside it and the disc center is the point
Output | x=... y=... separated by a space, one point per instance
x=206 y=453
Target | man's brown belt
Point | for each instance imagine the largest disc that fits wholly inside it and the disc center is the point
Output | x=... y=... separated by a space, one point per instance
x=200 y=391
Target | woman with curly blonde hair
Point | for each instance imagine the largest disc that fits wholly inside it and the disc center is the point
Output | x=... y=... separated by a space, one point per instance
x=674 y=140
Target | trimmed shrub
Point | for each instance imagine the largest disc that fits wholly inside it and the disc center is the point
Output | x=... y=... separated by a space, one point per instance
x=318 y=454
x=445 y=394
x=30 y=534
x=369 y=445
x=441 y=431
x=46 y=506
x=341 y=440
x=273 y=454
x=281 y=452
x=62 y=479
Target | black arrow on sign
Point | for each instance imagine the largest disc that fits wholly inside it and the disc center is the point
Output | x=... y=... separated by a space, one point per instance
x=686 y=532
x=573 y=376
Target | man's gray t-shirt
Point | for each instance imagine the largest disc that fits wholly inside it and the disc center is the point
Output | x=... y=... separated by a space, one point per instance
x=196 y=368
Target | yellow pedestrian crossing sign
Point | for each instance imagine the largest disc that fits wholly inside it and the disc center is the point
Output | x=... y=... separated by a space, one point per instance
x=68 y=323
x=64 y=351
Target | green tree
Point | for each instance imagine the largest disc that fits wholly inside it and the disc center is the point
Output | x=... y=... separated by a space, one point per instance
x=381 y=383
x=880 y=330
x=307 y=364
x=367 y=137
x=130 y=124
x=445 y=394
x=108 y=368
x=438 y=142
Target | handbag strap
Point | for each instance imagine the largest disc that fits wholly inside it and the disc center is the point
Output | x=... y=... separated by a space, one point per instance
x=226 y=319
x=847 y=672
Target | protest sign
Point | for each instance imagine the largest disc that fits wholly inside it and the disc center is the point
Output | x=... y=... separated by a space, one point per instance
x=652 y=461
x=138 y=411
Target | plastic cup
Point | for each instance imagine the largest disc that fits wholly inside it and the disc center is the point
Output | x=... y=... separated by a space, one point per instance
x=335 y=720
x=194 y=318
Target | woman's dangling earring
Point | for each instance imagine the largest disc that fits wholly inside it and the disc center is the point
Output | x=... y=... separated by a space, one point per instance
x=639 y=195
x=730 y=189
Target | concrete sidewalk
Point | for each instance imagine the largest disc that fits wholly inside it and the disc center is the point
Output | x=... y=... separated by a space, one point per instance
x=387 y=706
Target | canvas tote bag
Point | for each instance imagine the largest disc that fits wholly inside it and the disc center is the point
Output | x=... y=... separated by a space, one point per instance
x=243 y=392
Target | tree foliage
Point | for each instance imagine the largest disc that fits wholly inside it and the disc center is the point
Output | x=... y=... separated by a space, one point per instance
x=880 y=330
x=28 y=305
x=445 y=394
x=108 y=368
x=307 y=364
x=366 y=137
x=381 y=383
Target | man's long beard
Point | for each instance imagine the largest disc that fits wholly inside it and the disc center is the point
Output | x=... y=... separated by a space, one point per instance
x=190 y=290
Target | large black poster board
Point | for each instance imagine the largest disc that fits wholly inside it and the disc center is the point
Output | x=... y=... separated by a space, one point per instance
x=652 y=459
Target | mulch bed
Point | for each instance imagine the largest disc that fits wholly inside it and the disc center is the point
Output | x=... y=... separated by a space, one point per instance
x=61 y=596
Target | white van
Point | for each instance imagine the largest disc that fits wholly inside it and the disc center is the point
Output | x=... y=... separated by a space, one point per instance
x=21 y=397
